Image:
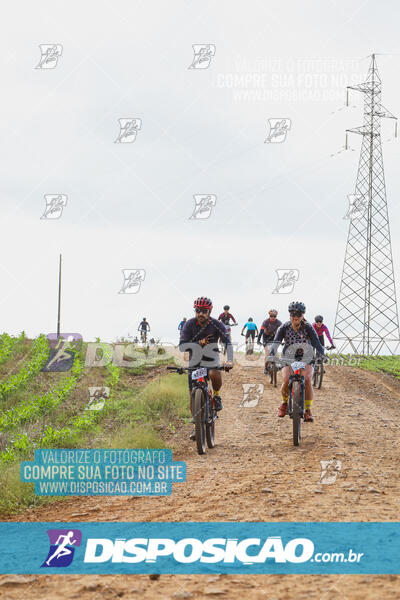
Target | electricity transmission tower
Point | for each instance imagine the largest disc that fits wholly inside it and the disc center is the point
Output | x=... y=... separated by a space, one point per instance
x=366 y=318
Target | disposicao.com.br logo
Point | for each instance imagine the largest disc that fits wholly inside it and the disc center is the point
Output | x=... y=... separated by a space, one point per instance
x=62 y=542
x=191 y=550
x=195 y=548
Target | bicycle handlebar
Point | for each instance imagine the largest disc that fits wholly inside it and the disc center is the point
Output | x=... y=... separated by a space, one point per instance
x=181 y=370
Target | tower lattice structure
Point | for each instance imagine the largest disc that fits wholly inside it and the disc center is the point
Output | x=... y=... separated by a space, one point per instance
x=367 y=318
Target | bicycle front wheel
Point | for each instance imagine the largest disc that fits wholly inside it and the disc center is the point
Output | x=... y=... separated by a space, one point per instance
x=199 y=420
x=315 y=376
x=274 y=374
x=210 y=429
x=321 y=375
x=297 y=409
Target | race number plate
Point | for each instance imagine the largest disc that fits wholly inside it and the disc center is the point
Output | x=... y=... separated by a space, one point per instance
x=198 y=373
x=296 y=366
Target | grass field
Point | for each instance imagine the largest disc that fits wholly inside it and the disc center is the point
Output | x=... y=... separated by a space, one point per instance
x=50 y=410
x=382 y=364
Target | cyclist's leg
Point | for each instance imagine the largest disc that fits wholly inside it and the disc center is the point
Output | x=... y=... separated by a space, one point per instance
x=216 y=380
x=284 y=392
x=308 y=386
x=285 y=384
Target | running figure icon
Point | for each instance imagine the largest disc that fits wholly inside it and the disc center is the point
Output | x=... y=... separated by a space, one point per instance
x=62 y=549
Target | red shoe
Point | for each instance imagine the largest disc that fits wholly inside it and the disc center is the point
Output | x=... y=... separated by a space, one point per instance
x=282 y=410
x=308 y=416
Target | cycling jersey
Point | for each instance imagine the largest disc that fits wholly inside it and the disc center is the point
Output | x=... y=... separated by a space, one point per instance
x=213 y=330
x=269 y=329
x=226 y=318
x=251 y=326
x=320 y=332
x=305 y=334
x=143 y=326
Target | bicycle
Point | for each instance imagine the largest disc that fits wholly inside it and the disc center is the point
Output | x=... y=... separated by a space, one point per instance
x=143 y=336
x=249 y=344
x=319 y=371
x=202 y=404
x=296 y=398
x=228 y=331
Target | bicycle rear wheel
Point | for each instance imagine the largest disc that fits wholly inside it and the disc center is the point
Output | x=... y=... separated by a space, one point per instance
x=296 y=399
x=199 y=421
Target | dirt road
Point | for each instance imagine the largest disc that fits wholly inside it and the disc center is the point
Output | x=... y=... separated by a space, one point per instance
x=256 y=474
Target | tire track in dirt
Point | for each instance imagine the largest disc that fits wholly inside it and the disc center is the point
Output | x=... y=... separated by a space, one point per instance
x=255 y=474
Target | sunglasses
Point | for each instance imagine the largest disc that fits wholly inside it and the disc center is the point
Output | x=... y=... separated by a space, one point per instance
x=318 y=321
x=202 y=310
x=296 y=314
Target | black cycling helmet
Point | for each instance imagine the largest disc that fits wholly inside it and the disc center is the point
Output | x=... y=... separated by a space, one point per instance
x=250 y=319
x=319 y=319
x=297 y=306
x=203 y=302
x=226 y=307
x=144 y=318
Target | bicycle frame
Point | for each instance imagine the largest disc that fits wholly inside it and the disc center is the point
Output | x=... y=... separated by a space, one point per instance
x=296 y=375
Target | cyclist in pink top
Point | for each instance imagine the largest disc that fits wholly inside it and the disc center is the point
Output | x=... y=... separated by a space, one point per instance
x=320 y=329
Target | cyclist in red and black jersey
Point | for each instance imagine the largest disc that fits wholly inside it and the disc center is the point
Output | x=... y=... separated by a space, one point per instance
x=267 y=333
x=200 y=337
x=226 y=316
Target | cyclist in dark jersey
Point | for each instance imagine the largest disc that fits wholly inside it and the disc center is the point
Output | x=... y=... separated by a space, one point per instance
x=200 y=336
x=267 y=333
x=144 y=327
x=226 y=316
x=295 y=333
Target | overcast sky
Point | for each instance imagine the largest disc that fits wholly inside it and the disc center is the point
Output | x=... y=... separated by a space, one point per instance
x=203 y=131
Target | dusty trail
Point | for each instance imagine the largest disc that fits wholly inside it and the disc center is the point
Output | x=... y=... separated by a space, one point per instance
x=255 y=474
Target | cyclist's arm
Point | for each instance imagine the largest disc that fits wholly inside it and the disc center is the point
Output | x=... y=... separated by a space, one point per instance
x=232 y=317
x=328 y=335
x=280 y=334
x=244 y=327
x=186 y=337
x=314 y=340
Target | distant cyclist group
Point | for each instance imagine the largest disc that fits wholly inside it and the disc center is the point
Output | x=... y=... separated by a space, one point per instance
x=200 y=336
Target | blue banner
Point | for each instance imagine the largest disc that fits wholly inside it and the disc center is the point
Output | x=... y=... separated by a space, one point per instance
x=252 y=548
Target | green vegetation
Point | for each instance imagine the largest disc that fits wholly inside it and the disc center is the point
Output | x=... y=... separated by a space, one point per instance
x=52 y=412
x=40 y=354
x=9 y=344
x=381 y=364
